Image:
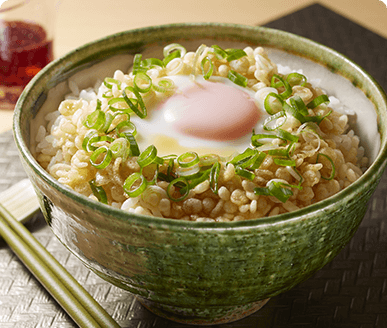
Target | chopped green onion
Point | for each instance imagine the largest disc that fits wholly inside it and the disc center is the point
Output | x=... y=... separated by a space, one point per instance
x=299 y=105
x=142 y=82
x=129 y=184
x=268 y=103
x=219 y=52
x=275 y=121
x=250 y=159
x=134 y=150
x=173 y=55
x=259 y=136
x=108 y=121
x=234 y=54
x=120 y=101
x=201 y=177
x=275 y=188
x=296 y=79
x=164 y=85
x=207 y=61
x=208 y=160
x=185 y=189
x=284 y=162
x=106 y=159
x=283 y=152
x=237 y=78
x=318 y=101
x=244 y=173
x=151 y=62
x=172 y=48
x=87 y=137
x=188 y=172
x=147 y=156
x=126 y=126
x=281 y=83
x=243 y=157
x=96 y=120
x=109 y=82
x=141 y=110
x=98 y=192
x=193 y=159
x=285 y=135
x=138 y=64
x=120 y=148
x=214 y=178
x=333 y=170
x=96 y=138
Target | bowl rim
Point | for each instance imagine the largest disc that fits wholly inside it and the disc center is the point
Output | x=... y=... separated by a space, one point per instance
x=375 y=169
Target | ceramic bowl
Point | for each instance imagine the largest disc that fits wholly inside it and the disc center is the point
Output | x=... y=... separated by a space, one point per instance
x=203 y=273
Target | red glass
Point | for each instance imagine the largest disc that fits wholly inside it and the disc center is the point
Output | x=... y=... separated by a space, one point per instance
x=25 y=48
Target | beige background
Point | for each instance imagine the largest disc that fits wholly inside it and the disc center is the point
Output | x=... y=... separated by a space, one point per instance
x=78 y=22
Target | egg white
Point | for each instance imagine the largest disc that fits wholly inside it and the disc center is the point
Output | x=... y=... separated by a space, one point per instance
x=156 y=128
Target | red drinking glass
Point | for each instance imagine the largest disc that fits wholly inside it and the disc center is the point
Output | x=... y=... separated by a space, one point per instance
x=26 y=45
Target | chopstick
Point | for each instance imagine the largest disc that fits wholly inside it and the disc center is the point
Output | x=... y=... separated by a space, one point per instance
x=73 y=298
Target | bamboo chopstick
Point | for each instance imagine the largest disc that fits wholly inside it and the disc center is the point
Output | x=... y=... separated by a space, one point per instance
x=74 y=299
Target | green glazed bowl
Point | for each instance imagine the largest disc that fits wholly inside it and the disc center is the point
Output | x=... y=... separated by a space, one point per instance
x=203 y=273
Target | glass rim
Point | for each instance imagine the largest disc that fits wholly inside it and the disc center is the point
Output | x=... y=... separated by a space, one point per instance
x=12 y=4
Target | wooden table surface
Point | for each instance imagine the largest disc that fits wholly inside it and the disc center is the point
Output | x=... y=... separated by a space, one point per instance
x=78 y=22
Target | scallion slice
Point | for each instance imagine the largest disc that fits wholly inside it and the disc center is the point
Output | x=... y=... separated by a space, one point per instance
x=296 y=79
x=276 y=189
x=96 y=120
x=109 y=82
x=273 y=106
x=98 y=192
x=88 y=135
x=333 y=168
x=151 y=62
x=318 y=101
x=207 y=73
x=138 y=64
x=275 y=121
x=208 y=160
x=135 y=184
x=234 y=54
x=237 y=78
x=188 y=159
x=299 y=105
x=219 y=52
x=138 y=107
x=244 y=173
x=164 y=85
x=94 y=158
x=126 y=126
x=278 y=82
x=97 y=138
x=284 y=162
x=118 y=104
x=120 y=148
x=214 y=178
x=134 y=149
x=147 y=156
x=183 y=186
x=142 y=82
x=173 y=50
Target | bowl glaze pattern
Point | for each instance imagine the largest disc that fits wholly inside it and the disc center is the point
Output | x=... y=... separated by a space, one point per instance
x=200 y=273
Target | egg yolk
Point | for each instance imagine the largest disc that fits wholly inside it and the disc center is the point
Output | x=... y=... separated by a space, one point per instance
x=212 y=111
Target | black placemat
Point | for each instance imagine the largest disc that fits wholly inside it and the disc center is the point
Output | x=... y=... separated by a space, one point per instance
x=350 y=292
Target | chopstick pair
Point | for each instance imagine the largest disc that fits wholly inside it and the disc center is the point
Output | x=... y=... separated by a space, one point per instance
x=73 y=298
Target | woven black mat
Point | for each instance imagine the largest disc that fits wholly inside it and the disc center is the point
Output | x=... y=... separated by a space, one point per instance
x=350 y=292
